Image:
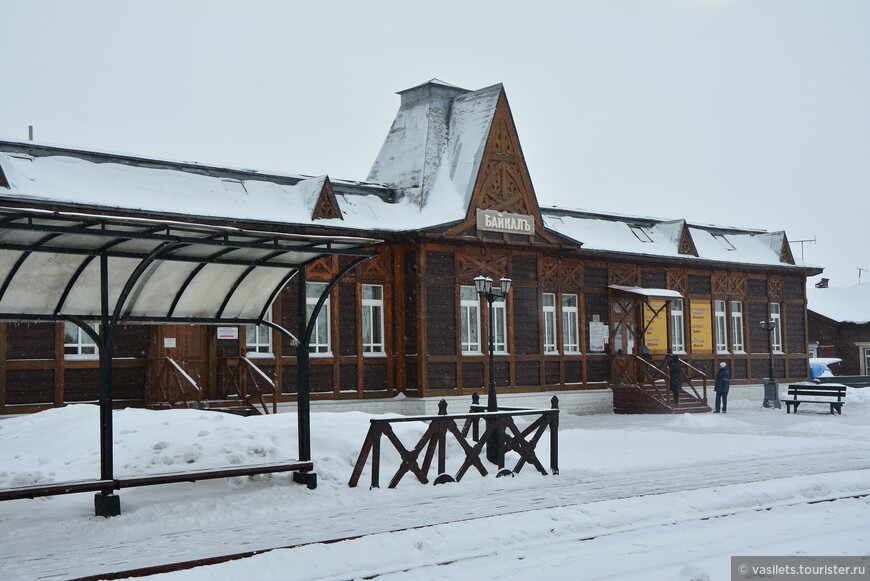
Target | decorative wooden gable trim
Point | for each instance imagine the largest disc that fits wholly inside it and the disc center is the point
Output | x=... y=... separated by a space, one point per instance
x=774 y=287
x=503 y=182
x=561 y=274
x=626 y=275
x=323 y=269
x=486 y=261
x=4 y=183
x=687 y=244
x=377 y=269
x=326 y=206
x=678 y=281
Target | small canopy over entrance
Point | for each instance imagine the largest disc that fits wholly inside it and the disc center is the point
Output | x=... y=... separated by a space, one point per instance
x=89 y=267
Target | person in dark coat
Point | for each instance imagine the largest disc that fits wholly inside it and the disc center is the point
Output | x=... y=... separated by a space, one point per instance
x=676 y=372
x=723 y=383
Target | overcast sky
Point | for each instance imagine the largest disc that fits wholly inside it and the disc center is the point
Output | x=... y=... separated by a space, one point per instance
x=730 y=112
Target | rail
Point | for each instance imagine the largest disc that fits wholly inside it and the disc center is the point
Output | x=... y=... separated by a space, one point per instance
x=698 y=374
x=251 y=383
x=434 y=442
x=174 y=385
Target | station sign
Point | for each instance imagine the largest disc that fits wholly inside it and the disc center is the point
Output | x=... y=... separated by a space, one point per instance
x=494 y=221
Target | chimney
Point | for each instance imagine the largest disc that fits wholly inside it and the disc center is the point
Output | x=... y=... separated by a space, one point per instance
x=823 y=283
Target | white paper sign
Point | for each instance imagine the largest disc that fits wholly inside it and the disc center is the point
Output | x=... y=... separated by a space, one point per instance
x=227 y=332
x=169 y=342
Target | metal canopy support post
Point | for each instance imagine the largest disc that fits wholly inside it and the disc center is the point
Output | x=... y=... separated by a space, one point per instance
x=303 y=403
x=106 y=503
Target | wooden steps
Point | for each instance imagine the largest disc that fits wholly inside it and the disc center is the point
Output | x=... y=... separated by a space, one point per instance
x=641 y=399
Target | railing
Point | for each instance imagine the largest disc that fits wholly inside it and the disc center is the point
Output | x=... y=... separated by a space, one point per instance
x=434 y=442
x=698 y=374
x=250 y=384
x=173 y=384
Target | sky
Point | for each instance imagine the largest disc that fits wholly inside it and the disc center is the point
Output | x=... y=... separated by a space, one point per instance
x=730 y=112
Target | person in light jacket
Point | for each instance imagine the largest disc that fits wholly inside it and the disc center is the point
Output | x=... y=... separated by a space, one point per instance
x=676 y=373
x=723 y=383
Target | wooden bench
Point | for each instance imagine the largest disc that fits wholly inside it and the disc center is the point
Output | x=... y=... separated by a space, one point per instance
x=52 y=488
x=825 y=393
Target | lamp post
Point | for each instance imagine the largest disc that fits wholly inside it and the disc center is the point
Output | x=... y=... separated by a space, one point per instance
x=483 y=285
x=771 y=387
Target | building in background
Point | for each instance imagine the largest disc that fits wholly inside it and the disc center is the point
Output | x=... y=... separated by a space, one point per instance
x=839 y=325
x=597 y=299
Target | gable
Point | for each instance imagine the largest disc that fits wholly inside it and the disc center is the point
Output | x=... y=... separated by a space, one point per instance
x=326 y=205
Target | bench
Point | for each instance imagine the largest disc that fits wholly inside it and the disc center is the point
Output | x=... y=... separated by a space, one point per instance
x=304 y=476
x=832 y=394
x=847 y=380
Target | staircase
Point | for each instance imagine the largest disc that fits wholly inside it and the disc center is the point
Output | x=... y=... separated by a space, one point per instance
x=641 y=387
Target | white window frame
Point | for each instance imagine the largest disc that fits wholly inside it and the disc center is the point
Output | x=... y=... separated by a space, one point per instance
x=721 y=317
x=469 y=324
x=776 y=317
x=373 y=314
x=499 y=315
x=570 y=323
x=258 y=339
x=548 y=303
x=738 y=343
x=82 y=347
x=678 y=329
x=864 y=357
x=319 y=345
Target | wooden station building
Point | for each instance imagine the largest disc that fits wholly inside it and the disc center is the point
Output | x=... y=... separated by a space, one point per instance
x=597 y=299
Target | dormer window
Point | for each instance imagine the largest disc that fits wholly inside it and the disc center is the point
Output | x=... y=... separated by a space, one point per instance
x=720 y=238
x=234 y=186
x=641 y=234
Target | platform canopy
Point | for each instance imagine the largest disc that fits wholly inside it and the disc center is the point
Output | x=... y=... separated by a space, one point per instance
x=156 y=271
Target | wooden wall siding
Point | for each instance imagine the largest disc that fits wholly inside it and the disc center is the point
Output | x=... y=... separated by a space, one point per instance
x=573 y=371
x=410 y=304
x=30 y=340
x=739 y=369
x=412 y=370
x=597 y=370
x=755 y=313
x=289 y=300
x=793 y=288
x=441 y=319
x=525 y=313
x=33 y=386
x=798 y=368
x=653 y=278
x=528 y=373
x=84 y=385
x=440 y=265
x=595 y=278
x=375 y=376
x=347 y=321
x=132 y=341
x=699 y=284
x=524 y=269
x=756 y=288
x=473 y=375
x=503 y=373
x=795 y=330
x=552 y=371
x=441 y=376
x=321 y=380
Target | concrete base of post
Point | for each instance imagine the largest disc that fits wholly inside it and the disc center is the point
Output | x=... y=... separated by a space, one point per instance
x=107 y=505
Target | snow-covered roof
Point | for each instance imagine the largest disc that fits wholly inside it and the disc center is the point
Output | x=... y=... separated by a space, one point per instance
x=849 y=304
x=661 y=238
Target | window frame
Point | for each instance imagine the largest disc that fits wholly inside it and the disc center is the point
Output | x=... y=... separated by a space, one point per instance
x=316 y=346
x=676 y=312
x=372 y=310
x=776 y=317
x=469 y=319
x=571 y=325
x=82 y=341
x=737 y=328
x=551 y=344
x=500 y=329
x=256 y=331
x=721 y=326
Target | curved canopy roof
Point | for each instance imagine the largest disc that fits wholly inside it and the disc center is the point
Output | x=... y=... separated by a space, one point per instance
x=52 y=263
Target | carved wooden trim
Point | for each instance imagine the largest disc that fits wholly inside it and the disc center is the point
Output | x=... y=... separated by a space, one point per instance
x=326 y=206
x=678 y=281
x=476 y=261
x=687 y=244
x=774 y=287
x=624 y=275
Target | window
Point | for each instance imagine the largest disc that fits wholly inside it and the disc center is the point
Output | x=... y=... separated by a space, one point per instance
x=499 y=314
x=372 y=318
x=258 y=338
x=77 y=344
x=866 y=361
x=469 y=306
x=550 y=323
x=320 y=337
x=737 y=327
x=570 y=325
x=641 y=234
x=721 y=327
x=726 y=244
x=776 y=339
x=678 y=340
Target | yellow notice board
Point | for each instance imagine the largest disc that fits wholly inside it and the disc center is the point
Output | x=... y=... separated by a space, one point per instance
x=656 y=327
x=702 y=328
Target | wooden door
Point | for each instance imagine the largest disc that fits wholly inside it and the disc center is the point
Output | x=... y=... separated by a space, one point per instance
x=186 y=345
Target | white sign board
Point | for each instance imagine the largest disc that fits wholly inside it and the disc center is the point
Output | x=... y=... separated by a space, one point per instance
x=169 y=342
x=227 y=332
x=598 y=336
x=494 y=221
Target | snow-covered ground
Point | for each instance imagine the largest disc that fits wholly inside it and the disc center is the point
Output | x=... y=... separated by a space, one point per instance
x=638 y=497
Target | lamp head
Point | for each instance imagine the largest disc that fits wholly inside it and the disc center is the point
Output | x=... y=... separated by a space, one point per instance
x=505 y=286
x=483 y=284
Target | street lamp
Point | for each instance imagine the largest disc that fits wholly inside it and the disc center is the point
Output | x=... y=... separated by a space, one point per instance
x=771 y=387
x=483 y=285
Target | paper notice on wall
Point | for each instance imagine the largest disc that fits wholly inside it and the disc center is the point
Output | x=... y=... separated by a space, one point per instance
x=598 y=337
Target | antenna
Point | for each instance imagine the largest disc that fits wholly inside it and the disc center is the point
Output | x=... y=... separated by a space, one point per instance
x=802 y=242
